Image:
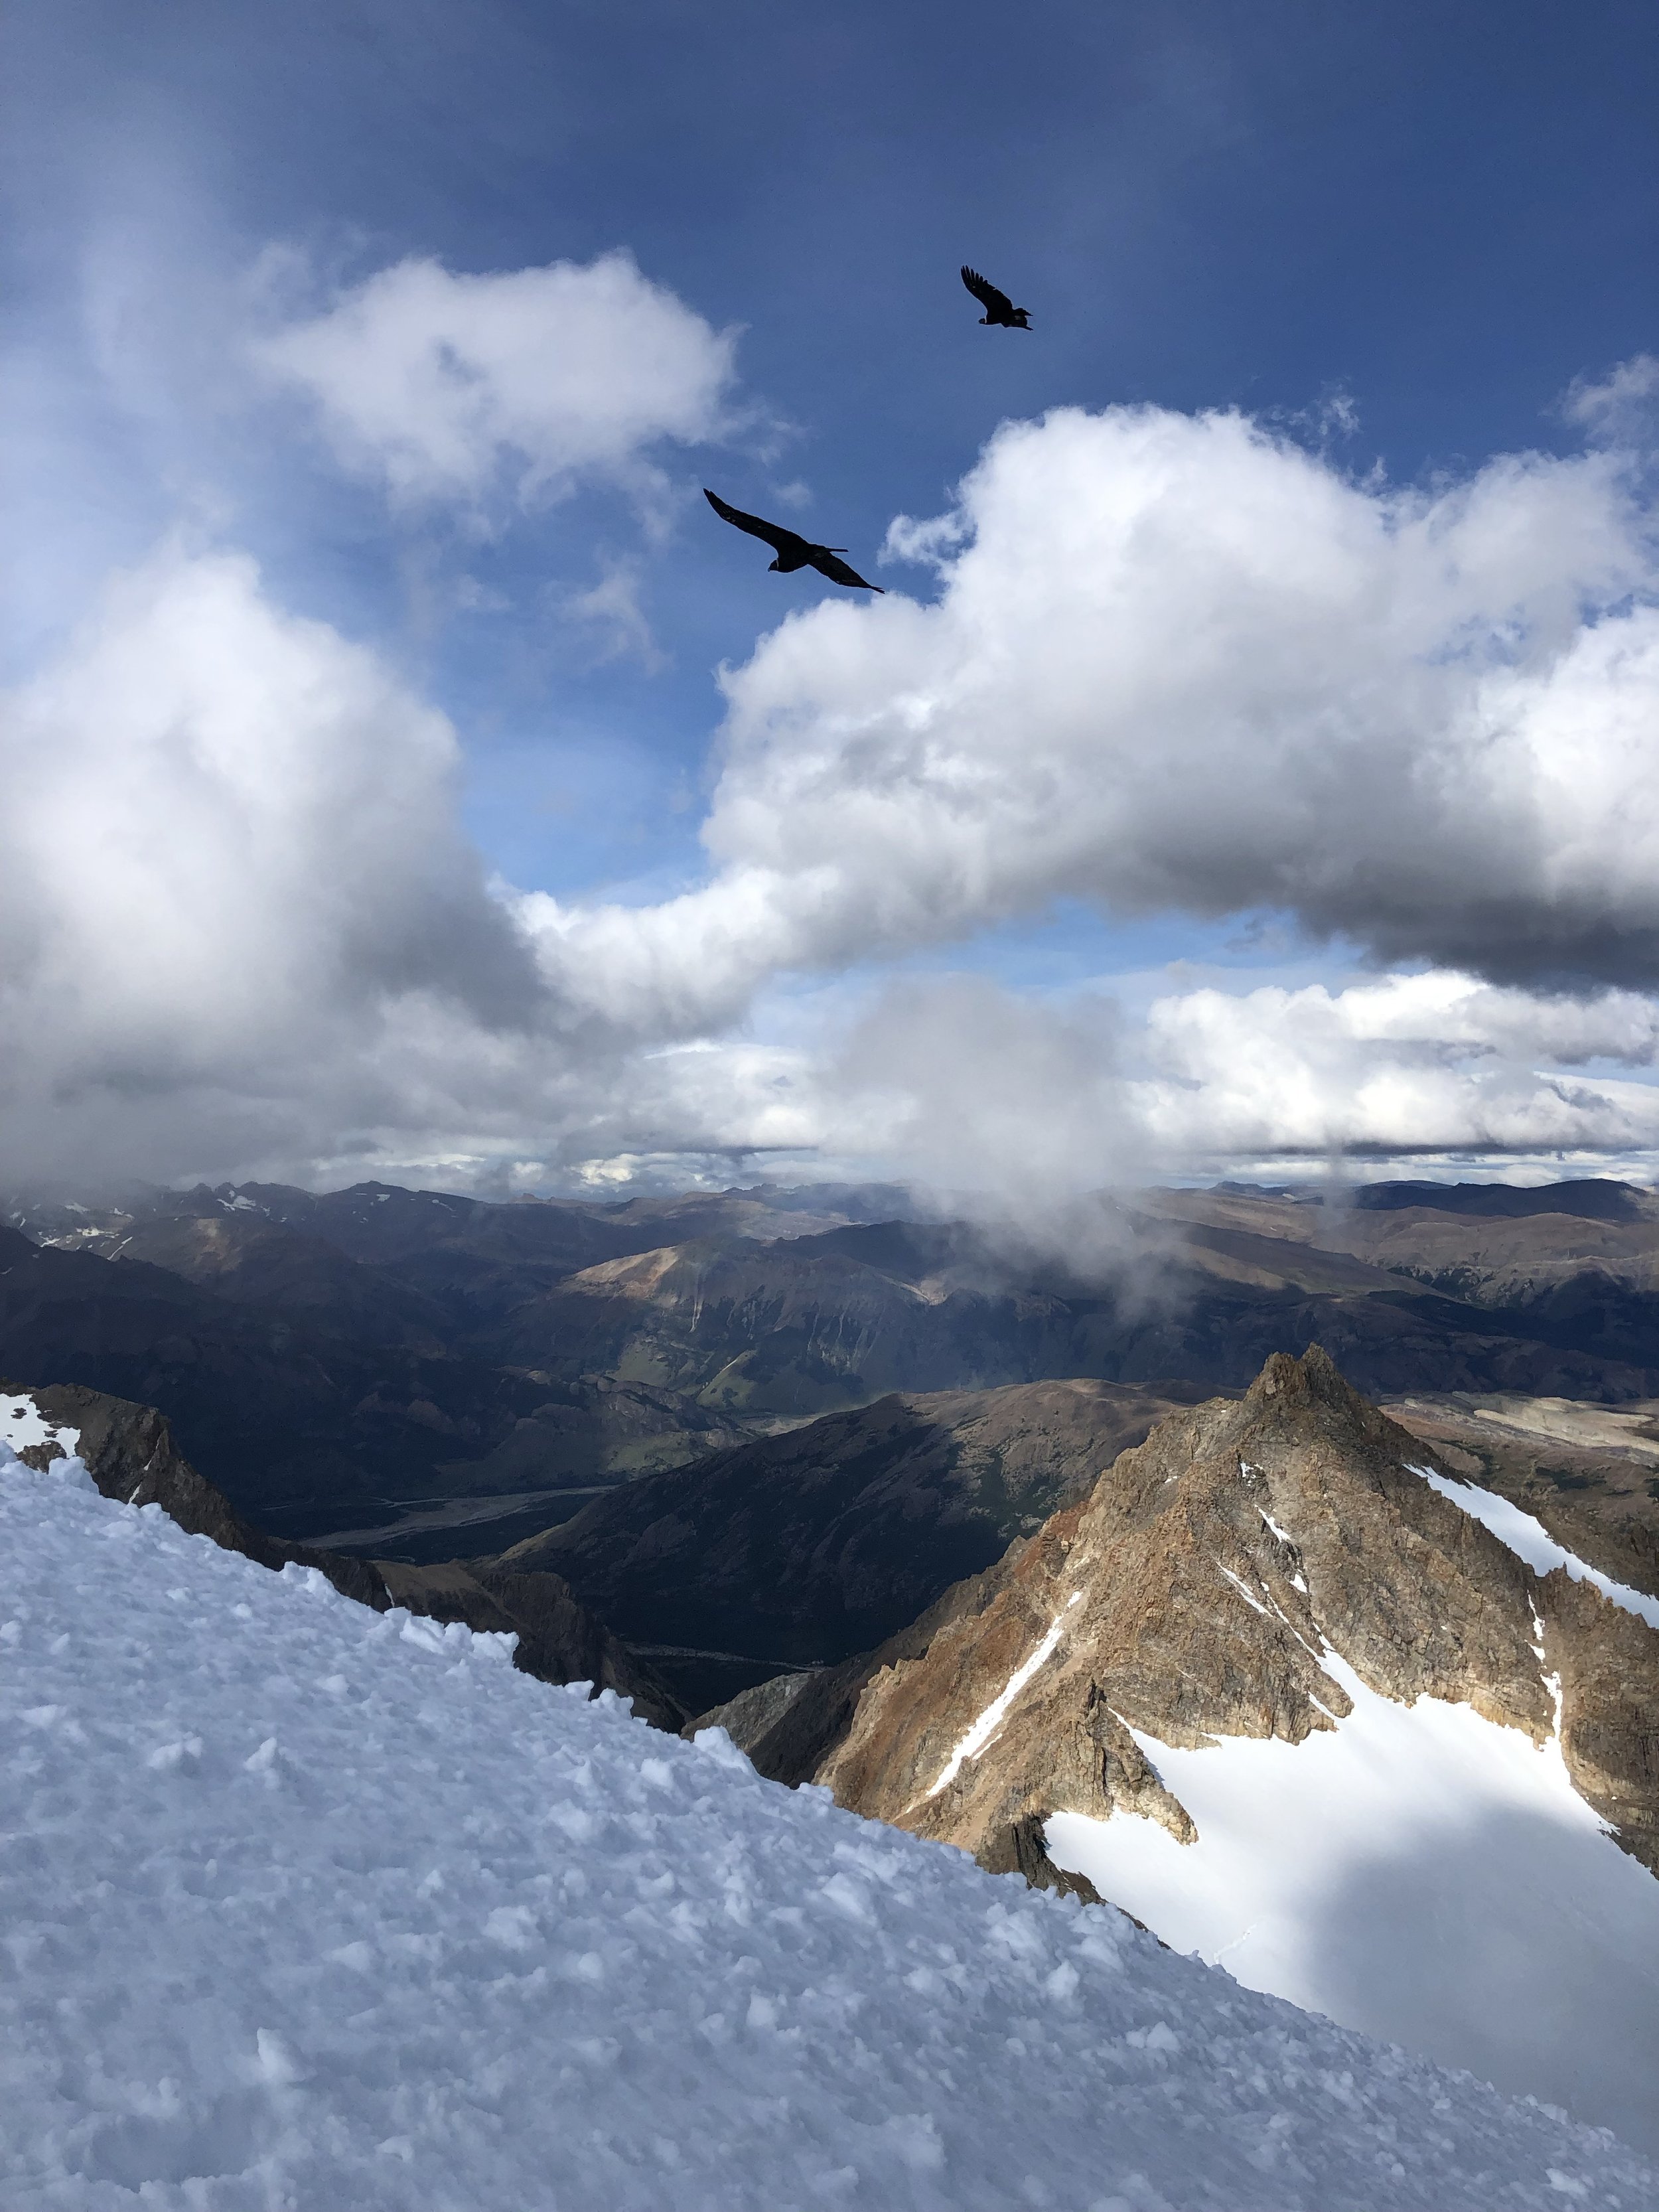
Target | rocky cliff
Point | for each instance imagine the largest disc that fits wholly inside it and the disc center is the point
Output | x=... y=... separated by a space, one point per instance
x=1197 y=1593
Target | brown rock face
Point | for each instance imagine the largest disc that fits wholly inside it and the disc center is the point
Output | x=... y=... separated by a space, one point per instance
x=1191 y=1594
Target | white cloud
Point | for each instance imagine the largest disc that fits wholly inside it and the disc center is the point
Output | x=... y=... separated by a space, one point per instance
x=230 y=881
x=1173 y=664
x=1177 y=664
x=449 y=385
x=1414 y=1063
x=966 y=1086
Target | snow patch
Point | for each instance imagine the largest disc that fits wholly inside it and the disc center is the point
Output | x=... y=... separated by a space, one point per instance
x=22 y=1424
x=1530 y=1541
x=979 y=1734
x=1416 y=1871
x=1283 y=1535
x=1244 y=1591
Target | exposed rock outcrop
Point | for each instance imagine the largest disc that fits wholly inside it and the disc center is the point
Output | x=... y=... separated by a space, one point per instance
x=1192 y=1596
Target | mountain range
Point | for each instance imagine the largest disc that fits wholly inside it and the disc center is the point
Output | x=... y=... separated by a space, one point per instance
x=389 y=1366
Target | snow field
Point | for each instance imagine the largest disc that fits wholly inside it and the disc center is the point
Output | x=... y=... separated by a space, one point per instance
x=308 y=1909
x=23 y=1423
x=1418 y=1872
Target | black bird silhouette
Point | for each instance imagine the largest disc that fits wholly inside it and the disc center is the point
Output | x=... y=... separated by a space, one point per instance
x=999 y=308
x=792 y=550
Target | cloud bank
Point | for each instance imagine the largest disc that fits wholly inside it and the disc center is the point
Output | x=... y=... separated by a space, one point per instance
x=1171 y=663
x=1178 y=664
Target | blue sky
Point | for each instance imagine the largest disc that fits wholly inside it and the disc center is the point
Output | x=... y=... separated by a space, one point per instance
x=1397 y=235
x=1446 y=215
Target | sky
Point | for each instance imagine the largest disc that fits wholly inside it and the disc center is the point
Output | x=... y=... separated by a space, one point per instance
x=1250 y=768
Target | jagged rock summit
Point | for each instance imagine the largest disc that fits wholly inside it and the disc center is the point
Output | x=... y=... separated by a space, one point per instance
x=1194 y=1596
x=1274 y=1657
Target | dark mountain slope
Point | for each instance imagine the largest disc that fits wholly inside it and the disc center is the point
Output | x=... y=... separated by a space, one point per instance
x=129 y=1453
x=293 y=1424
x=806 y=1547
x=250 y=1260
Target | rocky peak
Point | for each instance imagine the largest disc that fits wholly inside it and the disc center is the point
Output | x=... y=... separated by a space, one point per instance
x=1197 y=1592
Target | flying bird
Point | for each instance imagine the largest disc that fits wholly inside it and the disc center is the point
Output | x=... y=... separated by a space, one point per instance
x=999 y=308
x=792 y=550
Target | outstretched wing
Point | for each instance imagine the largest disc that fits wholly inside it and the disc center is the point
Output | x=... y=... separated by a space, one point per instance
x=992 y=301
x=831 y=565
x=780 y=540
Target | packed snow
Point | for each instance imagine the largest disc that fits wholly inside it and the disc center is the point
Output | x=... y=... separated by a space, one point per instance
x=23 y=1423
x=1529 y=1540
x=313 y=1908
x=1418 y=1872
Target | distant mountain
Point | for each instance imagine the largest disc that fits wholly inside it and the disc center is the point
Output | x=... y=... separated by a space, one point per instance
x=251 y=1261
x=1592 y=1199
x=391 y=1362
x=1572 y=1264
x=838 y=1319
x=803 y=1548
x=1276 y=1687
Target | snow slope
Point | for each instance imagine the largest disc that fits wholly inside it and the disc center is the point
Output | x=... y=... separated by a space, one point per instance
x=1529 y=1540
x=311 y=1908
x=1418 y=1872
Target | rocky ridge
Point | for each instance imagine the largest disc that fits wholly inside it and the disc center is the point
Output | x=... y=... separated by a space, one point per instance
x=1191 y=1597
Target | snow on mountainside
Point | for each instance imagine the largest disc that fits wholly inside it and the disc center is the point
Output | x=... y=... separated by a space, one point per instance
x=310 y=1906
x=1325 y=1871
x=1282 y=1693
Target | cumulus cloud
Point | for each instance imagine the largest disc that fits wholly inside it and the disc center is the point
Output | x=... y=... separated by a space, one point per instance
x=1436 y=1062
x=962 y=1085
x=447 y=386
x=229 y=871
x=1172 y=663
x=1176 y=662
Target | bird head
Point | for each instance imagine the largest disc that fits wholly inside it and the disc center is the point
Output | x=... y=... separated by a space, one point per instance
x=774 y=564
